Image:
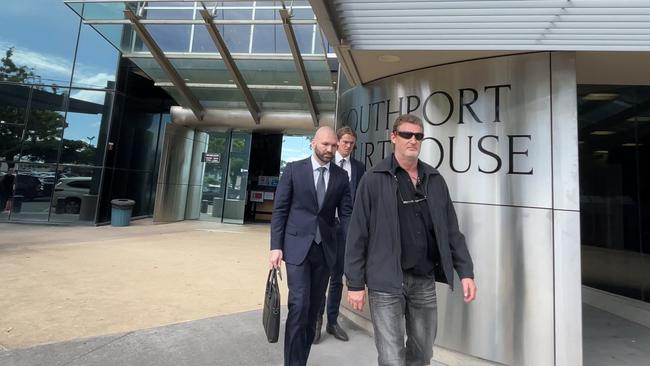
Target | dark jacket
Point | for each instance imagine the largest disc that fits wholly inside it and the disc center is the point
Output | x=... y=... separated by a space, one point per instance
x=373 y=249
x=358 y=169
x=296 y=213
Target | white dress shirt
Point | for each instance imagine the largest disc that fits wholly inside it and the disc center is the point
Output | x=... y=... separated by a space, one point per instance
x=315 y=165
x=347 y=165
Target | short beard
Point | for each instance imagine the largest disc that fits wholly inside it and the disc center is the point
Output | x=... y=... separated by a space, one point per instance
x=321 y=157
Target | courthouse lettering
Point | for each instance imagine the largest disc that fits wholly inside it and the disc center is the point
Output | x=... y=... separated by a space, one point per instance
x=442 y=107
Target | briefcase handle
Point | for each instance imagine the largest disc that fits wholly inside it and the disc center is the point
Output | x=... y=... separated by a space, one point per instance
x=276 y=272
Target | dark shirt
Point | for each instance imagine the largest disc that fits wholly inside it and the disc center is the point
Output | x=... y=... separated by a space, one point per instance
x=417 y=236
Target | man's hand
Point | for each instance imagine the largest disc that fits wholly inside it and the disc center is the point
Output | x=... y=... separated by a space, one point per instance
x=275 y=258
x=357 y=299
x=469 y=289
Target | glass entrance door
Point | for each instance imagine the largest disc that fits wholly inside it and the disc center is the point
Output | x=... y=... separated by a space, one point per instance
x=237 y=179
x=225 y=180
x=214 y=178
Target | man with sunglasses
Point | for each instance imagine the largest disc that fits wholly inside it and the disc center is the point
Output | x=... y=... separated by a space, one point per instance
x=403 y=237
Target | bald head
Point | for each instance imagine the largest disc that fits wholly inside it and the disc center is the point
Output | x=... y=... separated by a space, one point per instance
x=324 y=132
x=324 y=144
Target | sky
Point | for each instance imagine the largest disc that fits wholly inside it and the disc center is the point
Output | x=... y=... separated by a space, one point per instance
x=295 y=148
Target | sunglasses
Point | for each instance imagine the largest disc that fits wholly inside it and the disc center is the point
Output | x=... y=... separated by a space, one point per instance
x=408 y=202
x=408 y=135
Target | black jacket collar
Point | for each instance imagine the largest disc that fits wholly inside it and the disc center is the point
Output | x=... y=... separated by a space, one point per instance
x=389 y=165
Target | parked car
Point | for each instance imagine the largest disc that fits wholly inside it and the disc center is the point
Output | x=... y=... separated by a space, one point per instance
x=48 y=184
x=71 y=190
x=28 y=186
x=211 y=191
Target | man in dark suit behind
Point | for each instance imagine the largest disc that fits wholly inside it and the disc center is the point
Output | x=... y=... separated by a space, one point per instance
x=303 y=234
x=355 y=169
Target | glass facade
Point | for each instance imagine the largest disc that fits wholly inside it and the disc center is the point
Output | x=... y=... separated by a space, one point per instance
x=614 y=147
x=252 y=31
x=72 y=136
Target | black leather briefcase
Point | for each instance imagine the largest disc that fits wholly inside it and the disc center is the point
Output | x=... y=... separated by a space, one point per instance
x=271 y=312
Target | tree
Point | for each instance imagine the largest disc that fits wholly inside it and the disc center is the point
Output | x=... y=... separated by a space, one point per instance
x=10 y=72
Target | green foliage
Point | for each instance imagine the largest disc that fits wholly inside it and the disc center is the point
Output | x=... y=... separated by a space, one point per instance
x=10 y=72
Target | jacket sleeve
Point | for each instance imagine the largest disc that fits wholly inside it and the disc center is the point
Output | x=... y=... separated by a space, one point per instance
x=281 y=206
x=459 y=253
x=356 y=244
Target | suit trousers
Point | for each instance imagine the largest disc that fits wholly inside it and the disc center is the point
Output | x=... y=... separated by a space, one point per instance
x=307 y=283
x=414 y=310
x=335 y=290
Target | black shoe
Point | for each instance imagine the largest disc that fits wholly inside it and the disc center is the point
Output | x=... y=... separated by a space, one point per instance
x=319 y=325
x=337 y=332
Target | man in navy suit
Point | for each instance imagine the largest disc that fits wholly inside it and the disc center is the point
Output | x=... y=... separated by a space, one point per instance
x=355 y=169
x=303 y=234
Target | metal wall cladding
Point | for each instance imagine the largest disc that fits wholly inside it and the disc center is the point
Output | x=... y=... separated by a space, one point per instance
x=174 y=174
x=521 y=137
x=170 y=202
x=197 y=168
x=503 y=133
x=176 y=155
x=193 y=203
x=511 y=320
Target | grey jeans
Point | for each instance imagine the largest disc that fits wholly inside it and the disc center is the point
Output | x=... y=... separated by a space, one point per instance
x=415 y=311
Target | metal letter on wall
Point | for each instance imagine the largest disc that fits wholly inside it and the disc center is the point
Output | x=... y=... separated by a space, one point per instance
x=503 y=133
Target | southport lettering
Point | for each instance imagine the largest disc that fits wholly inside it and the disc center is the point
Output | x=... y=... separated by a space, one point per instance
x=485 y=154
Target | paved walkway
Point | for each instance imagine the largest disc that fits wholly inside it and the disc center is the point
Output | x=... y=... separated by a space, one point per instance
x=63 y=283
x=225 y=340
x=187 y=293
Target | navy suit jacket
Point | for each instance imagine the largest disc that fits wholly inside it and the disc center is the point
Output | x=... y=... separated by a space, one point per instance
x=358 y=169
x=296 y=213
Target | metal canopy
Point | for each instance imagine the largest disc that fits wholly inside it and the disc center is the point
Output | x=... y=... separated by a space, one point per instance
x=230 y=64
x=165 y=65
x=300 y=65
x=526 y=25
x=201 y=51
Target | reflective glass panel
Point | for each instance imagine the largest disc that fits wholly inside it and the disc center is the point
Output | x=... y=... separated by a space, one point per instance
x=7 y=179
x=13 y=103
x=43 y=36
x=613 y=193
x=203 y=71
x=34 y=185
x=121 y=36
x=165 y=11
x=75 y=194
x=214 y=182
x=642 y=121
x=151 y=68
x=237 y=181
x=305 y=39
x=95 y=11
x=138 y=134
x=170 y=38
x=88 y=114
x=236 y=37
x=269 y=39
x=213 y=97
x=96 y=62
x=45 y=123
x=13 y=110
x=281 y=99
